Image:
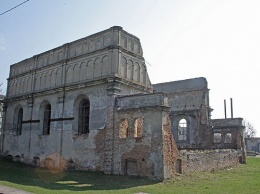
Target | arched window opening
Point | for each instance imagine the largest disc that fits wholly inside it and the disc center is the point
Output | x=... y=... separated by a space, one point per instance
x=19 y=122
x=123 y=128
x=182 y=130
x=139 y=128
x=83 y=122
x=227 y=138
x=47 y=120
x=217 y=138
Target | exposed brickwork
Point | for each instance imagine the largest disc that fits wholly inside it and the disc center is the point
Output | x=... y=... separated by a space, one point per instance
x=139 y=154
x=123 y=128
x=55 y=162
x=130 y=153
x=109 y=142
x=99 y=150
x=170 y=150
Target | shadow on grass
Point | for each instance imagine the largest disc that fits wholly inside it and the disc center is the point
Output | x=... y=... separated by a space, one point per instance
x=74 y=181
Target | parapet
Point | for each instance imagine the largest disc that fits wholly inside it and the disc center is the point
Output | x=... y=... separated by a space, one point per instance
x=142 y=101
x=114 y=37
x=230 y=122
x=182 y=85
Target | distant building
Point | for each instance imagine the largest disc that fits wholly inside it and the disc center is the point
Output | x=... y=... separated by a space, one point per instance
x=253 y=144
x=90 y=105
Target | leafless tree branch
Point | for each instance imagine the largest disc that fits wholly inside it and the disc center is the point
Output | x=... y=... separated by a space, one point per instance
x=1 y=88
x=249 y=130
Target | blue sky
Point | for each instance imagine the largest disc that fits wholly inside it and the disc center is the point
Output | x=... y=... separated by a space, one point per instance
x=181 y=39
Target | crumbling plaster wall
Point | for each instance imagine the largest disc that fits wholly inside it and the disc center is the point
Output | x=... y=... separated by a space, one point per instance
x=170 y=150
x=87 y=150
x=153 y=153
x=193 y=108
x=146 y=151
x=84 y=150
x=189 y=100
x=13 y=144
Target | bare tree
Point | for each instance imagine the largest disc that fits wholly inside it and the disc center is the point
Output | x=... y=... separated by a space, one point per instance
x=249 y=130
x=1 y=88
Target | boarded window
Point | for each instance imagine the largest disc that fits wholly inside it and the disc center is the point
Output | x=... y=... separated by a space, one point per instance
x=47 y=120
x=139 y=128
x=178 y=166
x=83 y=122
x=123 y=128
x=36 y=161
x=182 y=130
x=217 y=137
x=131 y=167
x=19 y=122
x=227 y=138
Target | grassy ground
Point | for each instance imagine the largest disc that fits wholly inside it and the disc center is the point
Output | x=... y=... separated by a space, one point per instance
x=242 y=179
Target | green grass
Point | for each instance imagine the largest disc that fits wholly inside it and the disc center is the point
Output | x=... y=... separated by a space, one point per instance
x=242 y=179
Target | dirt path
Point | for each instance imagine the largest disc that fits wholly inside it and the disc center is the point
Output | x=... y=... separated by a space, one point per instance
x=10 y=190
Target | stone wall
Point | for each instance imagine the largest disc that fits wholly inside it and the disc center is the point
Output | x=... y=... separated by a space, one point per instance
x=208 y=160
x=170 y=150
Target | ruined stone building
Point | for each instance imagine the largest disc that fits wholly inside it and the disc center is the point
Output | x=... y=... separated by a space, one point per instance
x=90 y=105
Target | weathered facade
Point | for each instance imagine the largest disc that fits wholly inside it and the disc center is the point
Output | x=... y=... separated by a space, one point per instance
x=90 y=105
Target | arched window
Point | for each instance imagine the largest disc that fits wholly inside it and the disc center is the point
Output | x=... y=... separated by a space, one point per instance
x=217 y=138
x=139 y=128
x=19 y=122
x=123 y=128
x=227 y=138
x=182 y=130
x=83 y=117
x=47 y=120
